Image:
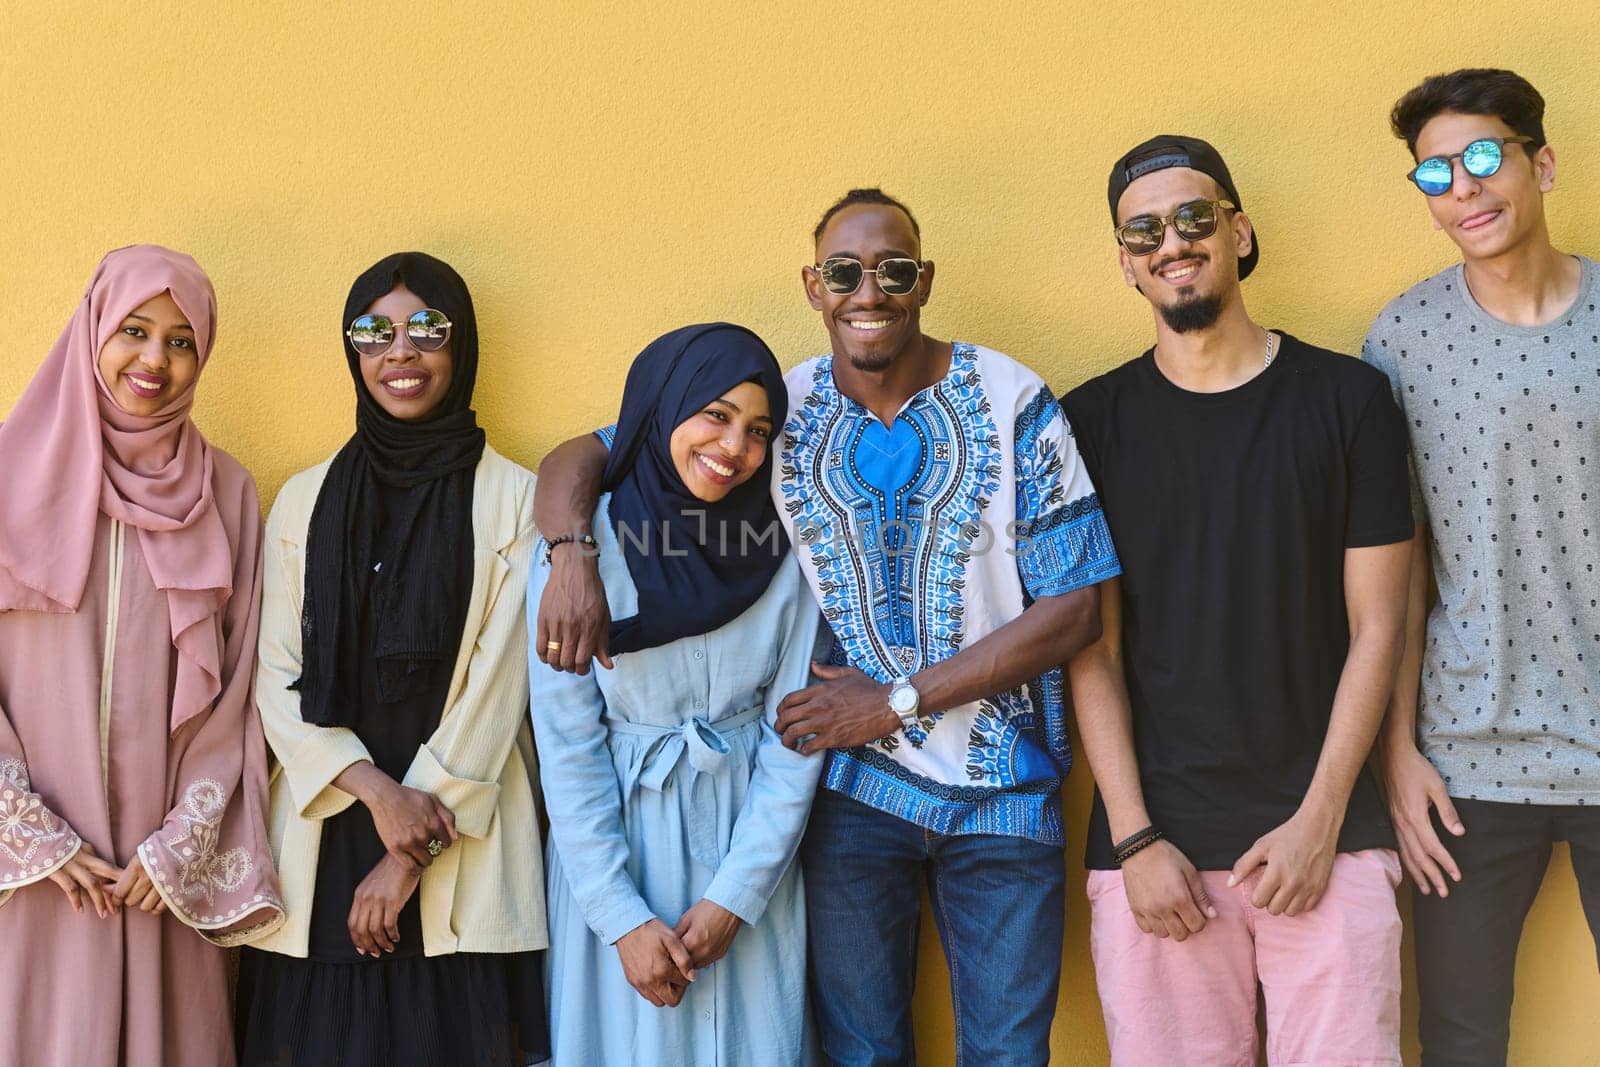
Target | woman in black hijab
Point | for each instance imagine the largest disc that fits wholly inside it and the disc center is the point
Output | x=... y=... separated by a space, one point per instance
x=675 y=809
x=393 y=697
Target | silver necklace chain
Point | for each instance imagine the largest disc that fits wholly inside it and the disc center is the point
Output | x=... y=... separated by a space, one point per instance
x=1272 y=350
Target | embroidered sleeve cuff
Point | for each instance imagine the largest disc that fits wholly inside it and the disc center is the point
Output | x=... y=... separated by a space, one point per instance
x=63 y=855
x=34 y=841
x=321 y=758
x=193 y=912
x=747 y=903
x=208 y=881
x=607 y=435
x=472 y=802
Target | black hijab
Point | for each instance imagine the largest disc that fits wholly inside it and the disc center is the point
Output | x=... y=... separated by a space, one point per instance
x=416 y=478
x=697 y=569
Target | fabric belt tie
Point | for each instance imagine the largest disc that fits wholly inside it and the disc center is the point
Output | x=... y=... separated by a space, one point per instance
x=707 y=750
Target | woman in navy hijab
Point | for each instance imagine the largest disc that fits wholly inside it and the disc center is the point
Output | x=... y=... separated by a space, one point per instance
x=677 y=918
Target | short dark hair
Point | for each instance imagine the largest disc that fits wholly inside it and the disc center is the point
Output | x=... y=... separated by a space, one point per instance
x=1474 y=91
x=873 y=195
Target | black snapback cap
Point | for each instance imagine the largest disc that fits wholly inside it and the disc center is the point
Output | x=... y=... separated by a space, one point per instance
x=1170 y=150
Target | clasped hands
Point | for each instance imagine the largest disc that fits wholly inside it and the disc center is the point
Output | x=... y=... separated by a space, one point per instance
x=108 y=887
x=660 y=962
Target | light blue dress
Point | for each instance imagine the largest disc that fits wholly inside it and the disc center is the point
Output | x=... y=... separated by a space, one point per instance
x=665 y=784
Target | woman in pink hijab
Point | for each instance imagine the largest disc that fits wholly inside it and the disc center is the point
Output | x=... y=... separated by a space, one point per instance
x=132 y=767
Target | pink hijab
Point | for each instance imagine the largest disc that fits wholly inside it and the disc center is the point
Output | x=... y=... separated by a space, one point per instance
x=69 y=452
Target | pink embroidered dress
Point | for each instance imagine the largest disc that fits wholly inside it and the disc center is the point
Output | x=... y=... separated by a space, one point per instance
x=127 y=719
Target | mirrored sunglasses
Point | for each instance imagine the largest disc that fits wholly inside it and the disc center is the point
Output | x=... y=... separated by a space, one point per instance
x=842 y=275
x=1194 y=221
x=1480 y=159
x=372 y=335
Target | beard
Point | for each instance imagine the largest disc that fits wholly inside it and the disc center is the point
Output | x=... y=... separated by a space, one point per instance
x=1193 y=313
x=875 y=363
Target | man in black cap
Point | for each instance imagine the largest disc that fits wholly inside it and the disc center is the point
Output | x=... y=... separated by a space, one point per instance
x=1256 y=490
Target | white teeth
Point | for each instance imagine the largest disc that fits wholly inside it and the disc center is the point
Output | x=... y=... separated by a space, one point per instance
x=877 y=324
x=1180 y=274
x=725 y=471
x=403 y=383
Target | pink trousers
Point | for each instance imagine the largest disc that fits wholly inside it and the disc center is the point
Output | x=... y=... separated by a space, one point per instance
x=1330 y=977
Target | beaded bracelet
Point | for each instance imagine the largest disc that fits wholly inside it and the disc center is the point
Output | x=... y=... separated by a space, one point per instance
x=567 y=539
x=1133 y=843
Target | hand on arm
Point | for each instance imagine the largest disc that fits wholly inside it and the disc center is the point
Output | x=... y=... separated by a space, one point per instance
x=1163 y=888
x=1410 y=783
x=573 y=614
x=847 y=708
x=407 y=819
x=843 y=708
x=1298 y=855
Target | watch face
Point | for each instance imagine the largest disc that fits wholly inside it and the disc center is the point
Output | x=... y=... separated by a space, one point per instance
x=902 y=698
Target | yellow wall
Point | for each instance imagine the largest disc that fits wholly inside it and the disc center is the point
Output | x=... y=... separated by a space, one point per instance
x=602 y=176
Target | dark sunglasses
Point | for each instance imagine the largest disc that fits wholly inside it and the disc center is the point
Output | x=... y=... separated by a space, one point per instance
x=1194 y=221
x=1481 y=159
x=842 y=275
x=372 y=335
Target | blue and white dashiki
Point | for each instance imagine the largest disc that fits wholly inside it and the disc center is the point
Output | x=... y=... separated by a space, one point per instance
x=924 y=536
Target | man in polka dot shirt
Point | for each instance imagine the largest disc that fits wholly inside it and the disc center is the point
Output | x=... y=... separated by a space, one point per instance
x=1491 y=751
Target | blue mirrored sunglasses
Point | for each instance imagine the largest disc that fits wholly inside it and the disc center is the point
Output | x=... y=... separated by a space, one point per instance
x=1480 y=159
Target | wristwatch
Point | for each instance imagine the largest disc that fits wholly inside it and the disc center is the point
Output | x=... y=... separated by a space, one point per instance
x=903 y=701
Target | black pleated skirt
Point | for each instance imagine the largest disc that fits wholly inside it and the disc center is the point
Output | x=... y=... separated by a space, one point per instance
x=469 y=1008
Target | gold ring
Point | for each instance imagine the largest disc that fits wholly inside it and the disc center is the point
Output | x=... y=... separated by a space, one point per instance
x=553 y=646
x=435 y=847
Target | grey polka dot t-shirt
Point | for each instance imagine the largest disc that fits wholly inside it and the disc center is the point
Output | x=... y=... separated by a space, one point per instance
x=1505 y=440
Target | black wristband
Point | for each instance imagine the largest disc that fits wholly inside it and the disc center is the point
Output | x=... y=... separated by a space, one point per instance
x=1124 y=855
x=1133 y=843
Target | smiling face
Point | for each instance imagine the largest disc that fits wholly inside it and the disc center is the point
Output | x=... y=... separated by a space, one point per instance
x=152 y=359
x=1189 y=282
x=1488 y=217
x=721 y=446
x=405 y=381
x=868 y=327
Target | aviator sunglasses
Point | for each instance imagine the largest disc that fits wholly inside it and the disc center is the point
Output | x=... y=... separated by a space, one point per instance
x=1480 y=159
x=1194 y=221
x=373 y=335
x=842 y=275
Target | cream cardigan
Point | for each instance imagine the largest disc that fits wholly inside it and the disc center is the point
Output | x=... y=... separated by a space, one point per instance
x=486 y=892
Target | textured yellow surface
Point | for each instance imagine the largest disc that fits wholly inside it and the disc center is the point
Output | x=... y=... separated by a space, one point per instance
x=602 y=175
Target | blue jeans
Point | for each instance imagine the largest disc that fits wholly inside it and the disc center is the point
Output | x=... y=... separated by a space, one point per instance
x=1000 y=906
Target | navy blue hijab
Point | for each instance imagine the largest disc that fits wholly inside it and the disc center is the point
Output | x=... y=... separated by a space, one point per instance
x=695 y=567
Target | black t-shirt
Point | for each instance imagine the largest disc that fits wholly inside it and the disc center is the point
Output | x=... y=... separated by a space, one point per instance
x=1231 y=513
